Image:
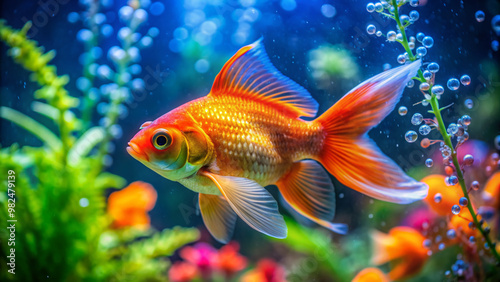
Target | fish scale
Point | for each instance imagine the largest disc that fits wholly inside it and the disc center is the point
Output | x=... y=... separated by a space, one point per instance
x=254 y=140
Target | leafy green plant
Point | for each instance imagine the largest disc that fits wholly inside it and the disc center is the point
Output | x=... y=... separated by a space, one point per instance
x=56 y=195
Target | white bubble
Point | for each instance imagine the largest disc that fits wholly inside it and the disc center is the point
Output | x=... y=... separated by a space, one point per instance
x=328 y=10
x=288 y=5
x=84 y=202
x=156 y=8
x=202 y=66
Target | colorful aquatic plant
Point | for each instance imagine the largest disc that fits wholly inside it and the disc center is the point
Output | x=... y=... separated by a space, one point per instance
x=55 y=193
x=448 y=195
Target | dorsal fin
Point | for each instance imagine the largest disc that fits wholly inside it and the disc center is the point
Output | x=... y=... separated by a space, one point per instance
x=250 y=74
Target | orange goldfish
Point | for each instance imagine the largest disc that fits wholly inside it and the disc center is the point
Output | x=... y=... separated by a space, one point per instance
x=403 y=247
x=247 y=133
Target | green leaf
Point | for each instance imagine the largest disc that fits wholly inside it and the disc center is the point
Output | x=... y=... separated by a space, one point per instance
x=107 y=180
x=84 y=145
x=31 y=125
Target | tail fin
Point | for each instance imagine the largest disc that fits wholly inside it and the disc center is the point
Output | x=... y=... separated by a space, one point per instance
x=350 y=155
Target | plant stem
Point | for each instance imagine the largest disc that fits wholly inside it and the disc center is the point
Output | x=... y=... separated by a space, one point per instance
x=446 y=138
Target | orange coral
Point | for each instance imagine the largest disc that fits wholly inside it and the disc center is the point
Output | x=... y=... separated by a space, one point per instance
x=129 y=207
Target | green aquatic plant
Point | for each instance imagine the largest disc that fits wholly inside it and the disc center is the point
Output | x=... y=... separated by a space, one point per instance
x=331 y=65
x=432 y=93
x=54 y=195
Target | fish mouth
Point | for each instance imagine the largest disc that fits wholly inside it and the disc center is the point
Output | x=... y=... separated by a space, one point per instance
x=135 y=151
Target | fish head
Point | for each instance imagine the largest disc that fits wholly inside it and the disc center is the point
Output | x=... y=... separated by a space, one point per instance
x=174 y=150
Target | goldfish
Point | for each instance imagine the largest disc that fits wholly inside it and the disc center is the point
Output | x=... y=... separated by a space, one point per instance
x=403 y=247
x=253 y=130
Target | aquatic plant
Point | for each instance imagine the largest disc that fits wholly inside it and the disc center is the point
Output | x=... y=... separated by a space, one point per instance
x=55 y=193
x=453 y=136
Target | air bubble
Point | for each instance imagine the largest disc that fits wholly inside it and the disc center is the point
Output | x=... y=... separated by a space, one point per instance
x=463 y=202
x=402 y=111
x=424 y=86
x=441 y=246
x=370 y=7
x=428 y=42
x=378 y=7
x=452 y=129
x=378 y=33
x=421 y=51
x=371 y=29
x=437 y=90
x=414 y=15
x=420 y=36
x=424 y=129
x=433 y=67
x=465 y=80
x=429 y=163
x=453 y=84
x=417 y=119
x=427 y=243
x=472 y=239
x=468 y=160
x=438 y=198
x=452 y=180
x=475 y=185
x=451 y=234
x=401 y=59
x=466 y=120
x=455 y=209
x=427 y=75
x=391 y=35
x=480 y=16
x=469 y=104
x=411 y=136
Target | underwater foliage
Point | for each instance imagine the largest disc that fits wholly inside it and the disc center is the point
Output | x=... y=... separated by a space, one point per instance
x=57 y=192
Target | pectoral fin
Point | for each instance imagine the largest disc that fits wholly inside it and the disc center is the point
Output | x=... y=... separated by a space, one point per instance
x=253 y=203
x=218 y=216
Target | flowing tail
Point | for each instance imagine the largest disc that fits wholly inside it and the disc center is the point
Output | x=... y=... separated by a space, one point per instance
x=351 y=156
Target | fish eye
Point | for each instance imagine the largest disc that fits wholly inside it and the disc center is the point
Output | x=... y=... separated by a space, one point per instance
x=162 y=139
